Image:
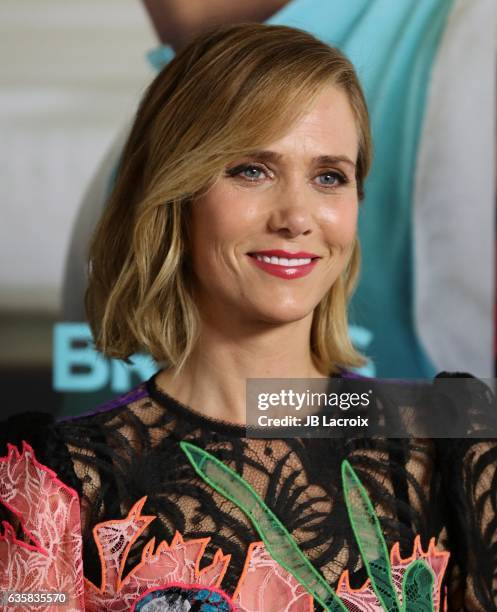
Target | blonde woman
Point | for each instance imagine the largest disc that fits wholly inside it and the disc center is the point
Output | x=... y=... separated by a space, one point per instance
x=228 y=251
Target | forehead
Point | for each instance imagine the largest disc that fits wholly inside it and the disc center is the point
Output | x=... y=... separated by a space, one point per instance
x=327 y=127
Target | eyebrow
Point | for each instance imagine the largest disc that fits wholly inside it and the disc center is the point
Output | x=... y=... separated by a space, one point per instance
x=321 y=159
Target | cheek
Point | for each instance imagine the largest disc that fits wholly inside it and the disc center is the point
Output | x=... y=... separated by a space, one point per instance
x=340 y=223
x=219 y=224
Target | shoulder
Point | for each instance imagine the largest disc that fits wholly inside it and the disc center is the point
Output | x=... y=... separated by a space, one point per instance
x=53 y=439
x=138 y=396
x=34 y=427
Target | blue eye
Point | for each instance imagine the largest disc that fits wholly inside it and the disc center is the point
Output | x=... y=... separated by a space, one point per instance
x=252 y=172
x=248 y=172
x=331 y=179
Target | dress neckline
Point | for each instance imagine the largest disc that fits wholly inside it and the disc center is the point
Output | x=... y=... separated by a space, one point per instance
x=193 y=416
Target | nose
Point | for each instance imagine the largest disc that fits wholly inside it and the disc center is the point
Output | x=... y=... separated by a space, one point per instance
x=290 y=216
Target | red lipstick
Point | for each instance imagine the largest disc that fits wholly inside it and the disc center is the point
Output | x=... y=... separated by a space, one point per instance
x=283 y=269
x=287 y=254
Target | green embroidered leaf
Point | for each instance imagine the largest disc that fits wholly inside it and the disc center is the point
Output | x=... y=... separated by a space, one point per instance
x=279 y=543
x=369 y=538
x=417 y=588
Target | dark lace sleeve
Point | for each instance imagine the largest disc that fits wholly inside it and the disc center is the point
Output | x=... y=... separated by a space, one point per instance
x=469 y=470
x=469 y=474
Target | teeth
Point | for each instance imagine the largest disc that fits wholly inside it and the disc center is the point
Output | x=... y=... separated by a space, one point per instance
x=284 y=261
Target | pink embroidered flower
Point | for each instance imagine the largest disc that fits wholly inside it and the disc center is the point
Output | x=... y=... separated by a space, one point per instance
x=263 y=586
x=175 y=563
x=48 y=512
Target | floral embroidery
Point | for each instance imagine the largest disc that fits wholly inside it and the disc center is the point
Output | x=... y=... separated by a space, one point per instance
x=178 y=564
x=174 y=597
x=49 y=514
x=394 y=585
x=169 y=574
x=365 y=598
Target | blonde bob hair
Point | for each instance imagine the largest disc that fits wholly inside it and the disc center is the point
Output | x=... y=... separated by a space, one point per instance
x=227 y=93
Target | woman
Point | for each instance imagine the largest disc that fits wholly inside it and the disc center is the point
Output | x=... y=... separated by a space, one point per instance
x=228 y=251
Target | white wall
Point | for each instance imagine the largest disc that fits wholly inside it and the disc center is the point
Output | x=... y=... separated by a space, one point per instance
x=71 y=74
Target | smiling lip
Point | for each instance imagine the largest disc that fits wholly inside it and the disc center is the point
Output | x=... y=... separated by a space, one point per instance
x=287 y=254
x=282 y=270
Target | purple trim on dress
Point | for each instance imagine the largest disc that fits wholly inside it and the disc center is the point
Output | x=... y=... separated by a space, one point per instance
x=349 y=374
x=134 y=395
x=402 y=381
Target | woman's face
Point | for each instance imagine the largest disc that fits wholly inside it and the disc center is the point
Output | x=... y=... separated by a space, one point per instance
x=272 y=235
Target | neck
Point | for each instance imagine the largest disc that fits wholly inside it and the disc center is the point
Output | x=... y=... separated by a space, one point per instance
x=213 y=380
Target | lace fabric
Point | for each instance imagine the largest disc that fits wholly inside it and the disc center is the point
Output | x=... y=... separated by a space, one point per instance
x=130 y=450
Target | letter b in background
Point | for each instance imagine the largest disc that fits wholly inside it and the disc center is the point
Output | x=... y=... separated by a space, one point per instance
x=78 y=367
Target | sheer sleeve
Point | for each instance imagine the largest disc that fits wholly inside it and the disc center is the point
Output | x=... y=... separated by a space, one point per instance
x=469 y=475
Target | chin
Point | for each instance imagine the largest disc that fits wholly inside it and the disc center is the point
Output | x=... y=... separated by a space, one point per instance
x=287 y=314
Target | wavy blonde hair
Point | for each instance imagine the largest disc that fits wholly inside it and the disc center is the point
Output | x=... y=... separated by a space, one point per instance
x=230 y=91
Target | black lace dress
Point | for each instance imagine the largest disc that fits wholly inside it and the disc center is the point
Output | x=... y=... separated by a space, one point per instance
x=130 y=449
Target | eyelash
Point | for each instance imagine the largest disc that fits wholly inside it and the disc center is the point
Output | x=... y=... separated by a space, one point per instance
x=238 y=170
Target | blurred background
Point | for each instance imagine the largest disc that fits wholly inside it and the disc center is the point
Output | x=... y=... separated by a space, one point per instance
x=70 y=76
